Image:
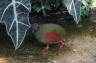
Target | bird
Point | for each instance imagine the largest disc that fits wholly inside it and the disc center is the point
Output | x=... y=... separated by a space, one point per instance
x=48 y=34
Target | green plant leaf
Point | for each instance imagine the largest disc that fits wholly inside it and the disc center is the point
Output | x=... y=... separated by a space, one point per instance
x=14 y=14
x=73 y=7
x=93 y=3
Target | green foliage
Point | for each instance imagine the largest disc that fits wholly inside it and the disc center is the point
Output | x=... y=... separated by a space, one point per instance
x=14 y=14
x=73 y=7
x=86 y=8
x=45 y=5
x=50 y=5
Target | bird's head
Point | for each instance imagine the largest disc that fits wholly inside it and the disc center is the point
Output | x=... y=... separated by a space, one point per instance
x=34 y=27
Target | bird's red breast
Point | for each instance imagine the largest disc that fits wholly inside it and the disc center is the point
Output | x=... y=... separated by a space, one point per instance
x=52 y=36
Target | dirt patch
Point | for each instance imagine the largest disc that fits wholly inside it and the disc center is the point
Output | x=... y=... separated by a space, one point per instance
x=83 y=50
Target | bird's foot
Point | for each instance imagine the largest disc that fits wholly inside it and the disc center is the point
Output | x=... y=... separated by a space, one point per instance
x=61 y=44
x=46 y=48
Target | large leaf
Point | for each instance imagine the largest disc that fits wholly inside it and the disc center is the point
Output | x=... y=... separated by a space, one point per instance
x=93 y=3
x=14 y=14
x=73 y=7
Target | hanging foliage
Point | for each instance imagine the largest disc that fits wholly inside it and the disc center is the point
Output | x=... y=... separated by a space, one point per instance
x=74 y=8
x=14 y=14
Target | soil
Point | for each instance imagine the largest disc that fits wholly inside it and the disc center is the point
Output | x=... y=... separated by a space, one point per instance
x=80 y=43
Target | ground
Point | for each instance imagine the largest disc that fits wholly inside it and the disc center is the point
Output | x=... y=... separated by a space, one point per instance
x=80 y=47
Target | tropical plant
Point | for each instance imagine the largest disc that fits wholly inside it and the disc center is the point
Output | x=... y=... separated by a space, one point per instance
x=45 y=5
x=86 y=8
x=15 y=14
x=73 y=6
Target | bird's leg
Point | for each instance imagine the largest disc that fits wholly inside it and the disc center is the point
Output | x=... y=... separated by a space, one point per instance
x=46 y=48
x=61 y=43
